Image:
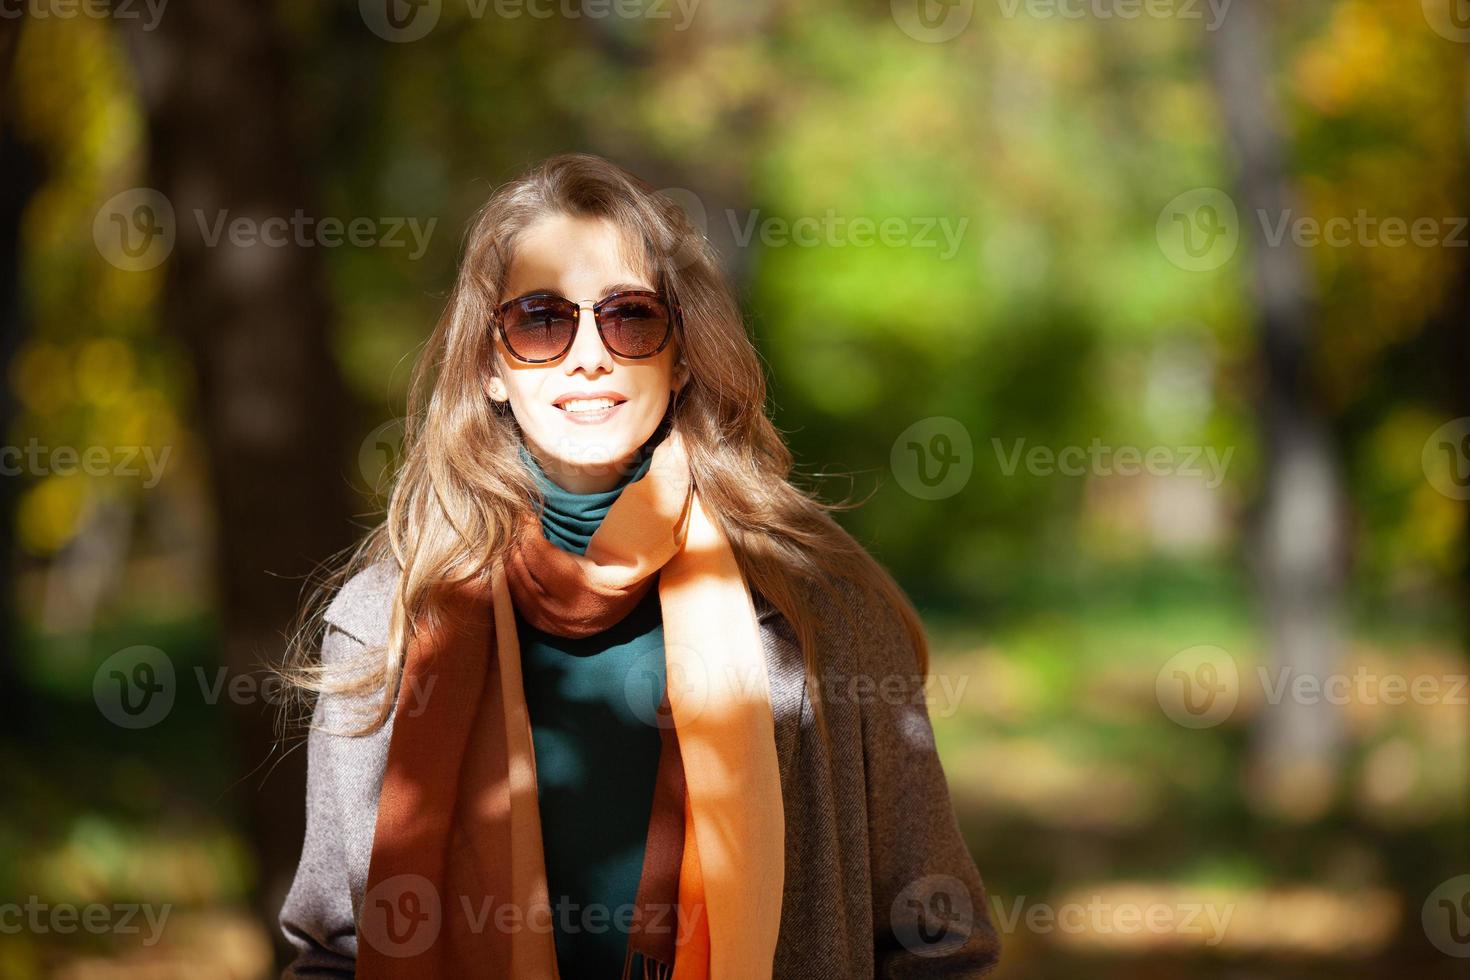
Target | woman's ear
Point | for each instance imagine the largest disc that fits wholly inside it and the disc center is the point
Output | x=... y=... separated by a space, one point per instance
x=495 y=388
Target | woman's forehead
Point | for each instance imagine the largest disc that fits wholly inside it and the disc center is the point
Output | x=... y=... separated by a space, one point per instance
x=575 y=256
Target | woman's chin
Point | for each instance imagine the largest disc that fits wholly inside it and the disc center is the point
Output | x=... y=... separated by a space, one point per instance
x=583 y=459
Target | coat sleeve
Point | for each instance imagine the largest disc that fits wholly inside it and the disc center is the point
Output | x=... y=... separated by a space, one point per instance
x=317 y=916
x=931 y=917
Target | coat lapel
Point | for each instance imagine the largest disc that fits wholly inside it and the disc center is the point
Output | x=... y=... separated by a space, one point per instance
x=786 y=673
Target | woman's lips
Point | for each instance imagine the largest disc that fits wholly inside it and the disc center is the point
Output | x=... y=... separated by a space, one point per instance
x=591 y=418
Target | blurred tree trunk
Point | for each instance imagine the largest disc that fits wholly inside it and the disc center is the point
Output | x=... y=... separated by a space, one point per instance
x=1448 y=352
x=1454 y=328
x=255 y=317
x=22 y=168
x=1299 y=546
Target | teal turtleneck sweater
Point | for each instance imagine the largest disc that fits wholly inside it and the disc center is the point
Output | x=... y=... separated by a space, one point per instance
x=593 y=705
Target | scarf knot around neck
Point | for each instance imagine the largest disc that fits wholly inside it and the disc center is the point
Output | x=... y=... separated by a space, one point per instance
x=457 y=883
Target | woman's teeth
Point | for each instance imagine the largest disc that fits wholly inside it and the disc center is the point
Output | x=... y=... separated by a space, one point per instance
x=587 y=405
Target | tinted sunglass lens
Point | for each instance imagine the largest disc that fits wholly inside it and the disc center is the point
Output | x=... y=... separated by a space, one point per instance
x=635 y=326
x=539 y=328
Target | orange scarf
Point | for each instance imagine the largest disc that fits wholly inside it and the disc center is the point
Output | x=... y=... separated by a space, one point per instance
x=457 y=883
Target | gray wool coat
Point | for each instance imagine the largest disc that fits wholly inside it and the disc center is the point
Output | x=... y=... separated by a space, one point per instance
x=878 y=881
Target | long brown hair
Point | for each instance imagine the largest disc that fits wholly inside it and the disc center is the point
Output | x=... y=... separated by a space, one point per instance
x=462 y=486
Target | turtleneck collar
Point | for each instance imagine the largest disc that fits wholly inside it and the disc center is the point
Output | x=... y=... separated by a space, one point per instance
x=569 y=519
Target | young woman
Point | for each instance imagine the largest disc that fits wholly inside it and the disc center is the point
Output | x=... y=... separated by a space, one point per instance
x=605 y=696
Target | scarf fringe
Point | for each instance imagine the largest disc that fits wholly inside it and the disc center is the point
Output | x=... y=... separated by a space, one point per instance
x=652 y=969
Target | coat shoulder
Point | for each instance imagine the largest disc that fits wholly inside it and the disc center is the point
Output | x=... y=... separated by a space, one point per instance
x=363 y=607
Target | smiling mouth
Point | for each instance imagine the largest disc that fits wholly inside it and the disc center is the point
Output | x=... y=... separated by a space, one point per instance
x=588 y=406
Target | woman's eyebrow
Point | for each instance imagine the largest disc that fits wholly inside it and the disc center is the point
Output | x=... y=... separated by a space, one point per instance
x=619 y=287
x=616 y=287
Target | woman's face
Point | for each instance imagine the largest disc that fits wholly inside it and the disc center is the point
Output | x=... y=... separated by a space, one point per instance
x=579 y=258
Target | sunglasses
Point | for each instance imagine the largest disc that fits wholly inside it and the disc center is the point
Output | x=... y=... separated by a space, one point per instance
x=540 y=327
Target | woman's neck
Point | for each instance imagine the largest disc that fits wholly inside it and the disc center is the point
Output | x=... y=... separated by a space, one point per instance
x=570 y=517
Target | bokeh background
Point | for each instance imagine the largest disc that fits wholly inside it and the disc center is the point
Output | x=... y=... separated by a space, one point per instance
x=1136 y=328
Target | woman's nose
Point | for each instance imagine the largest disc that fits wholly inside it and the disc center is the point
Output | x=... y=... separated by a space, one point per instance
x=588 y=352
